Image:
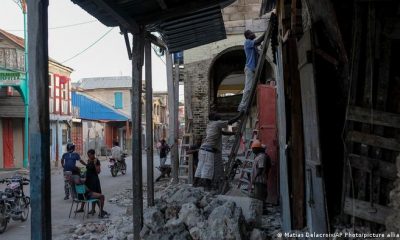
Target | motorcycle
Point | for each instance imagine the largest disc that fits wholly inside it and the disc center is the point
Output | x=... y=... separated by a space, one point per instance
x=118 y=166
x=13 y=202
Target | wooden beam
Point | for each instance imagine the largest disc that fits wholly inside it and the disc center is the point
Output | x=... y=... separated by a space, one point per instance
x=172 y=140
x=377 y=167
x=127 y=43
x=156 y=41
x=364 y=115
x=296 y=151
x=373 y=140
x=124 y=21
x=364 y=210
x=136 y=115
x=149 y=125
x=39 y=132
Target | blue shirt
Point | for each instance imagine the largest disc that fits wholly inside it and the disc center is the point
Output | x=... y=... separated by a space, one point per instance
x=70 y=160
x=251 y=54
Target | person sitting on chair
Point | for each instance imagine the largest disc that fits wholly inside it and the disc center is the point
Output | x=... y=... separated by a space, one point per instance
x=76 y=179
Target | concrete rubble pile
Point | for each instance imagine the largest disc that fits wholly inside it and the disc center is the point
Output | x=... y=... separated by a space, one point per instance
x=184 y=212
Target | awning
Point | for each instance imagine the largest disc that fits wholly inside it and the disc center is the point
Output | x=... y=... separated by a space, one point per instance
x=183 y=24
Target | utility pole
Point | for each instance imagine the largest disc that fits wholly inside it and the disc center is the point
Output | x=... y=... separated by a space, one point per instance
x=149 y=125
x=40 y=190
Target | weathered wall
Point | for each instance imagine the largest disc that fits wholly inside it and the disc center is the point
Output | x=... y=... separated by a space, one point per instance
x=18 y=141
x=107 y=96
x=1 y=144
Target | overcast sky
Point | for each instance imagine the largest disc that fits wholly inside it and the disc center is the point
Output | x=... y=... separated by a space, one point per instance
x=108 y=57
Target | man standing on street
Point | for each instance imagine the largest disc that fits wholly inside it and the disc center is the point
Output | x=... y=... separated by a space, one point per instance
x=250 y=49
x=261 y=167
x=68 y=162
x=164 y=150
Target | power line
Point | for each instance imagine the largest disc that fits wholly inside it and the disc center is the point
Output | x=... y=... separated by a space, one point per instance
x=91 y=45
x=57 y=27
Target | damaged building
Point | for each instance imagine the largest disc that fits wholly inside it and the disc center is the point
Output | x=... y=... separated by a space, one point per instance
x=327 y=104
x=337 y=106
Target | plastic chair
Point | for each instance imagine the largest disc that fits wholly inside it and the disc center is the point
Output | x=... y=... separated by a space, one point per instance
x=80 y=190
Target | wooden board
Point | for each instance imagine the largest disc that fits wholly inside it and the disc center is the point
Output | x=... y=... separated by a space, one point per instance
x=365 y=115
x=315 y=187
x=362 y=209
x=373 y=140
x=379 y=168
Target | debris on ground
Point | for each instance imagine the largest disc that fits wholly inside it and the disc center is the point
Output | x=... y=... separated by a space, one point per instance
x=184 y=212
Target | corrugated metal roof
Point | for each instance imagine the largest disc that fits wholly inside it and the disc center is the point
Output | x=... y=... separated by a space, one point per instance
x=93 y=110
x=106 y=82
x=192 y=30
x=183 y=24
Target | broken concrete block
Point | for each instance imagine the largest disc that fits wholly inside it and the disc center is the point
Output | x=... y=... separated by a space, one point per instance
x=226 y=222
x=190 y=215
x=257 y=234
x=153 y=219
x=172 y=211
x=252 y=208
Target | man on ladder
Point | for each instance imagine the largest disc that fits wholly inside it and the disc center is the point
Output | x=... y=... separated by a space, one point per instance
x=250 y=49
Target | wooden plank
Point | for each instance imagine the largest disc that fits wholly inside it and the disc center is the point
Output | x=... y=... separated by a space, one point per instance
x=377 y=167
x=364 y=210
x=315 y=186
x=373 y=140
x=283 y=162
x=297 y=145
x=376 y=117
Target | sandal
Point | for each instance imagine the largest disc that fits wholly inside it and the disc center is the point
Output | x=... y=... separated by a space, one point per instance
x=79 y=211
x=103 y=214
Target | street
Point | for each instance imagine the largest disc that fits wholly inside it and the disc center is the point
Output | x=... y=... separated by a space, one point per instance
x=60 y=207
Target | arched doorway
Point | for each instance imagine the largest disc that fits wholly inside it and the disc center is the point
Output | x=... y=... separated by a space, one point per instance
x=226 y=79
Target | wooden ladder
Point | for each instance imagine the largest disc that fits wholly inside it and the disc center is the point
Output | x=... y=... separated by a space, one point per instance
x=247 y=162
x=186 y=160
x=242 y=122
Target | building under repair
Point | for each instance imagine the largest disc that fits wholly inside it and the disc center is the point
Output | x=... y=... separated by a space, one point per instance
x=336 y=99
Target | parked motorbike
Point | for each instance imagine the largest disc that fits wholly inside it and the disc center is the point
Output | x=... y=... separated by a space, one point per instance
x=117 y=166
x=13 y=202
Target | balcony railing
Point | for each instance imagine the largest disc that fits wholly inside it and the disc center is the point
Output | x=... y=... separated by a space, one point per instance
x=11 y=58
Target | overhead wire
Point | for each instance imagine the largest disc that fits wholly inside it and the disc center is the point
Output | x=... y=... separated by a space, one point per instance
x=57 y=27
x=87 y=48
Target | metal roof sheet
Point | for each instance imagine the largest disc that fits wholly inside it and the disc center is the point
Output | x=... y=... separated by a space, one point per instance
x=106 y=82
x=183 y=24
x=93 y=110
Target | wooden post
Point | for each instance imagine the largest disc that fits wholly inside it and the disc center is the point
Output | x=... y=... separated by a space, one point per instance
x=172 y=114
x=136 y=113
x=175 y=152
x=149 y=125
x=40 y=190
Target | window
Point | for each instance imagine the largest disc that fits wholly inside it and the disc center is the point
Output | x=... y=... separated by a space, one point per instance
x=118 y=100
x=64 y=136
